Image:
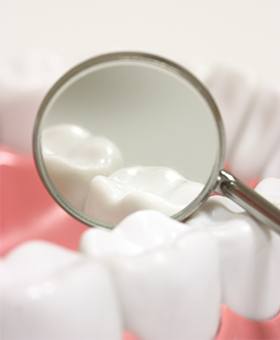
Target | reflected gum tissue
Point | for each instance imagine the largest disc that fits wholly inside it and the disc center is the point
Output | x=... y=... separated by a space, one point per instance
x=225 y=224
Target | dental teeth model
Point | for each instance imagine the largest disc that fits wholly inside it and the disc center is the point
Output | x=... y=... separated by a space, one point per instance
x=167 y=276
x=48 y=292
x=127 y=190
x=172 y=278
x=249 y=258
x=73 y=156
x=159 y=278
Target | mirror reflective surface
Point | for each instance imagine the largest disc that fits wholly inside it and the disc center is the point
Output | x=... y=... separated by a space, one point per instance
x=125 y=132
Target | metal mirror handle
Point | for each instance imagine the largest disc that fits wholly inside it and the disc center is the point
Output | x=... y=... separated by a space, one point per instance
x=249 y=199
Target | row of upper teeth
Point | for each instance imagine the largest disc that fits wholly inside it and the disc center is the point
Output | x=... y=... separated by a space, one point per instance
x=152 y=275
x=250 y=111
x=83 y=168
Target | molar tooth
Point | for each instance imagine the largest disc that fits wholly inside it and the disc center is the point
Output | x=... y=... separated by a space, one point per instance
x=47 y=292
x=73 y=157
x=112 y=198
x=136 y=234
x=169 y=284
x=249 y=256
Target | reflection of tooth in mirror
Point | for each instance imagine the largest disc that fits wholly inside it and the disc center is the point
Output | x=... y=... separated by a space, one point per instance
x=73 y=156
x=157 y=114
x=127 y=190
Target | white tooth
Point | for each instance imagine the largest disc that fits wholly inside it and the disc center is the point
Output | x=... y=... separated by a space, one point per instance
x=169 y=287
x=233 y=92
x=272 y=169
x=73 y=157
x=23 y=82
x=249 y=256
x=261 y=133
x=270 y=189
x=47 y=292
x=112 y=198
x=135 y=235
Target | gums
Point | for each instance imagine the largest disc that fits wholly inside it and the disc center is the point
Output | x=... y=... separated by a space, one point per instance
x=28 y=212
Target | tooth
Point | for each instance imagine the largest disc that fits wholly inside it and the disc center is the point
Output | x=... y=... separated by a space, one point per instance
x=23 y=83
x=270 y=189
x=151 y=229
x=169 y=282
x=249 y=256
x=47 y=292
x=233 y=92
x=261 y=132
x=73 y=157
x=112 y=198
x=272 y=169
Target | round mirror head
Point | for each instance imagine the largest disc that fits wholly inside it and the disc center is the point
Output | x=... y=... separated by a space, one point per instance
x=128 y=131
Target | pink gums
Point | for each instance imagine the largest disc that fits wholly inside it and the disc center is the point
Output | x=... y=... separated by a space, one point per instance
x=28 y=212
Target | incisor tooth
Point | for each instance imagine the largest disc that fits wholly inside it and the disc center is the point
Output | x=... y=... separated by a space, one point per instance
x=112 y=198
x=73 y=157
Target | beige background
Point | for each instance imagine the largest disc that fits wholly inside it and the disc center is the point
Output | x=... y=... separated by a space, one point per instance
x=244 y=33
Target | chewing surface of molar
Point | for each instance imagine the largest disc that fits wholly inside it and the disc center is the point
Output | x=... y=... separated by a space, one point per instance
x=249 y=256
x=127 y=190
x=47 y=292
x=73 y=156
x=166 y=274
x=24 y=80
x=251 y=113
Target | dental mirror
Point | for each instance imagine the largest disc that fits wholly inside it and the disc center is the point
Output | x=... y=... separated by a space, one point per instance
x=129 y=131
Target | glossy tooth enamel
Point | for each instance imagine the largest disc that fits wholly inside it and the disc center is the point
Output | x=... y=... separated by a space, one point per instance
x=249 y=257
x=112 y=198
x=270 y=189
x=47 y=292
x=261 y=132
x=272 y=169
x=166 y=274
x=233 y=92
x=73 y=156
x=23 y=82
x=251 y=116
